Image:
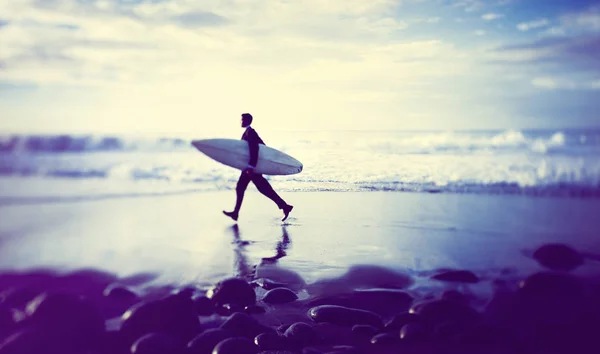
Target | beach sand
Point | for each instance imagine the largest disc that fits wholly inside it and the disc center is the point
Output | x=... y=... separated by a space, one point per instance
x=183 y=239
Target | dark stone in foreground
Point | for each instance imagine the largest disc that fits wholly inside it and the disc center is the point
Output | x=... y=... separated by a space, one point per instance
x=205 y=342
x=301 y=335
x=558 y=257
x=233 y=291
x=279 y=296
x=67 y=319
x=242 y=325
x=458 y=276
x=271 y=341
x=174 y=315
x=400 y=320
x=440 y=311
x=157 y=343
x=204 y=306
x=344 y=316
x=236 y=345
x=379 y=301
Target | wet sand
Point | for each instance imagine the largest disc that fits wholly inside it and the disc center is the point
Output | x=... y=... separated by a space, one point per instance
x=156 y=246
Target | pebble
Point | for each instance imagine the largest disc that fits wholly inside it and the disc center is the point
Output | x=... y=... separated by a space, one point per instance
x=344 y=316
x=440 y=311
x=204 y=306
x=205 y=342
x=174 y=315
x=301 y=335
x=157 y=343
x=243 y=325
x=558 y=257
x=236 y=345
x=271 y=341
x=234 y=291
x=458 y=276
x=279 y=296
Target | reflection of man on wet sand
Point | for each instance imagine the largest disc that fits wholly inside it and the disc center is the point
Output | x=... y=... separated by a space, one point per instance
x=242 y=267
x=280 y=249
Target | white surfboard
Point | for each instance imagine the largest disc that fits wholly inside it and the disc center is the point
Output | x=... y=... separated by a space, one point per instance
x=235 y=153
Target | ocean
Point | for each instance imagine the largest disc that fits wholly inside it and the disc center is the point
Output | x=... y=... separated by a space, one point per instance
x=563 y=163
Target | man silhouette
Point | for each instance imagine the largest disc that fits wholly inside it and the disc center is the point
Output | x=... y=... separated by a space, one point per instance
x=248 y=174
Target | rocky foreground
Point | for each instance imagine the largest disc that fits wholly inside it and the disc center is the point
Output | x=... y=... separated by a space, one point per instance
x=368 y=310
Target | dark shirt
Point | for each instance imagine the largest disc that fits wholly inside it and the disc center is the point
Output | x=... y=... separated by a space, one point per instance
x=251 y=136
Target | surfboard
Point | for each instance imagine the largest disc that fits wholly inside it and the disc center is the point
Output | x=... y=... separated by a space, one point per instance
x=235 y=153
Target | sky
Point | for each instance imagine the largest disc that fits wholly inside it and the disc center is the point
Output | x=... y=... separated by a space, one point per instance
x=187 y=66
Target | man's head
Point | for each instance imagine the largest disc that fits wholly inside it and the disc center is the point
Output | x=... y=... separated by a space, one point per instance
x=246 y=119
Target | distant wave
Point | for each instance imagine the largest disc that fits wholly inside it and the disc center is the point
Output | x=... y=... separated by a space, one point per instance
x=561 y=163
x=396 y=143
x=70 y=143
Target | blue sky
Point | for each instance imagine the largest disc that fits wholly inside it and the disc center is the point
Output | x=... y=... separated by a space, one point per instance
x=184 y=66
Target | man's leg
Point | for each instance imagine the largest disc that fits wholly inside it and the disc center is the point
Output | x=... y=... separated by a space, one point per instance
x=240 y=188
x=265 y=188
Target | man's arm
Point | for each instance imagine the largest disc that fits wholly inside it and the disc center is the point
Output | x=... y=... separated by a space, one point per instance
x=253 y=146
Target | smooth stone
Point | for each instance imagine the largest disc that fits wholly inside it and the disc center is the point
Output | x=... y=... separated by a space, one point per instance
x=254 y=309
x=157 y=343
x=236 y=345
x=268 y=284
x=364 y=332
x=379 y=301
x=301 y=335
x=344 y=316
x=453 y=295
x=277 y=352
x=204 y=306
x=279 y=296
x=385 y=341
x=333 y=334
x=400 y=320
x=17 y=297
x=242 y=325
x=548 y=285
x=334 y=349
x=30 y=341
x=281 y=329
x=558 y=257
x=205 y=342
x=271 y=341
x=68 y=318
x=7 y=322
x=174 y=315
x=414 y=332
x=228 y=309
x=121 y=293
x=439 y=311
x=233 y=291
x=458 y=276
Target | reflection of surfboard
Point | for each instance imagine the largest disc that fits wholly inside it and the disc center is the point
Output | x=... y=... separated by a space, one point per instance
x=235 y=153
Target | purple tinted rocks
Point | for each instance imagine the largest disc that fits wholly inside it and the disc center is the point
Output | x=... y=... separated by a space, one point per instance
x=233 y=291
x=279 y=296
x=300 y=335
x=205 y=342
x=458 y=276
x=157 y=343
x=174 y=315
x=242 y=325
x=344 y=316
x=236 y=346
x=558 y=257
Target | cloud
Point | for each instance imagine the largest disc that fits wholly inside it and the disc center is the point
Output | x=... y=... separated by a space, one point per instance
x=526 y=26
x=588 y=20
x=577 y=53
x=480 y=32
x=544 y=82
x=199 y=19
x=3 y=23
x=491 y=16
